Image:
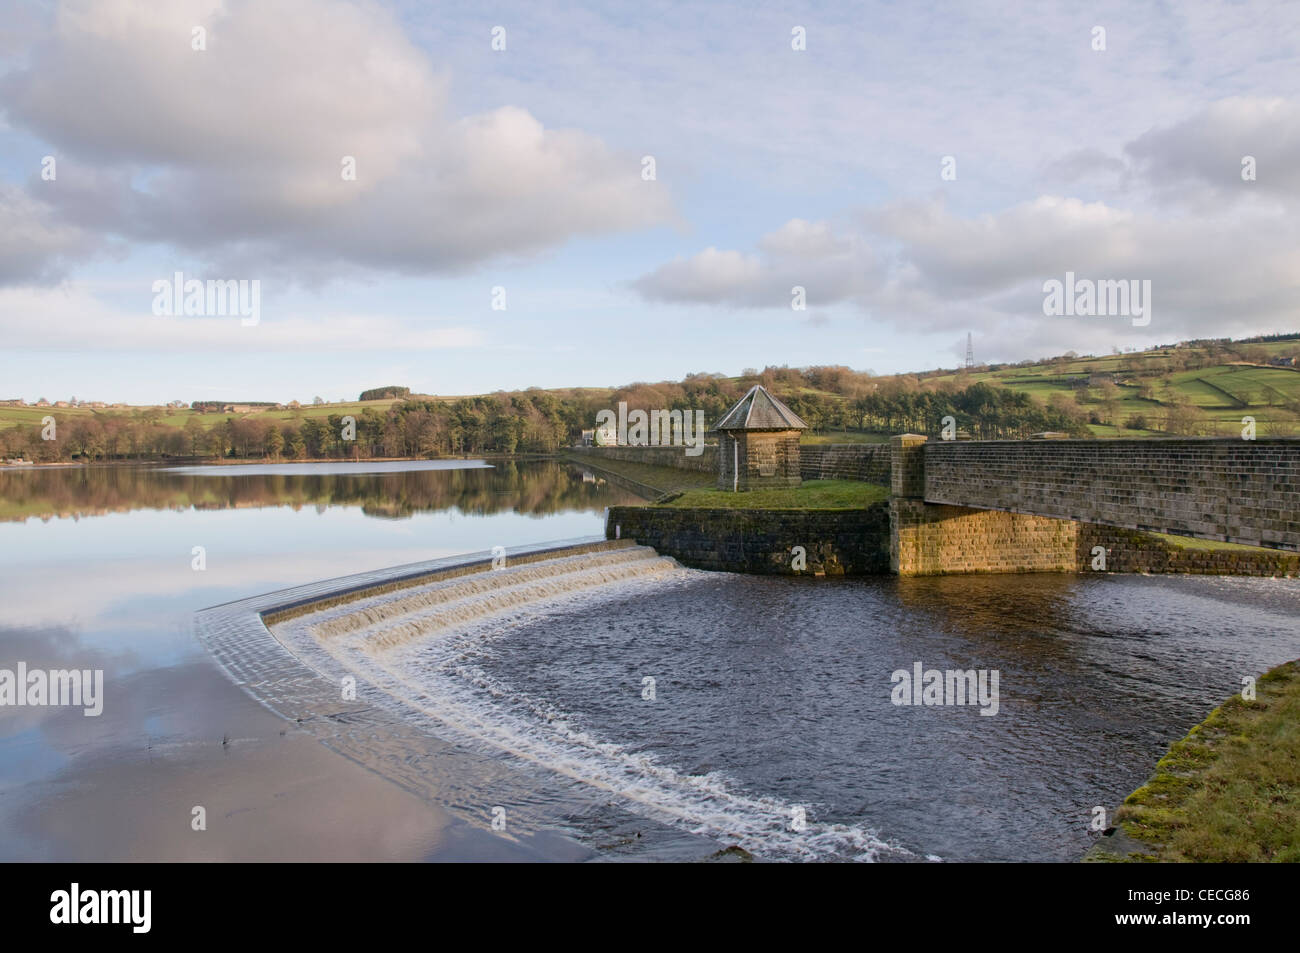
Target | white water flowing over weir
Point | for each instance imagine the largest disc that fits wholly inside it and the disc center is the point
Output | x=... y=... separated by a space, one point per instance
x=412 y=651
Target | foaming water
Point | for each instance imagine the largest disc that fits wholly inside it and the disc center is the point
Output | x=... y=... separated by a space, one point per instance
x=421 y=649
x=434 y=607
x=773 y=695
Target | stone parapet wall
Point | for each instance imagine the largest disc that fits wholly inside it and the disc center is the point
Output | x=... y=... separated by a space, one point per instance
x=867 y=462
x=706 y=462
x=1241 y=491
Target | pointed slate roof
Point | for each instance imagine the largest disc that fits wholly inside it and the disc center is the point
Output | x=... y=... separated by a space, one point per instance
x=759 y=410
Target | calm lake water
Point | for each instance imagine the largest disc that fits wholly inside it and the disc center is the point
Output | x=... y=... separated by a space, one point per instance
x=770 y=693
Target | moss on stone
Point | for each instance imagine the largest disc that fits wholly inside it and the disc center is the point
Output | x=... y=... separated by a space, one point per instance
x=1230 y=790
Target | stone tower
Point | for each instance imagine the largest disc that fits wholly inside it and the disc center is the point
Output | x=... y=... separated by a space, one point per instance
x=758 y=443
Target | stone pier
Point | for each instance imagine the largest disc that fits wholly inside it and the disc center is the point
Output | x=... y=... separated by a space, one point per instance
x=926 y=539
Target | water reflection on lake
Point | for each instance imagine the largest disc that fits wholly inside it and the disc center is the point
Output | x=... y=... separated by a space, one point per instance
x=778 y=687
x=96 y=571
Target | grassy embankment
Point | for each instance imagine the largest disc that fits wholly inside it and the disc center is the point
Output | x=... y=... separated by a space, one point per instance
x=1189 y=542
x=692 y=488
x=661 y=480
x=810 y=495
x=1227 y=793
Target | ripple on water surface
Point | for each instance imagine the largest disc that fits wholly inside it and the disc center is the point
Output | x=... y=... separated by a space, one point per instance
x=772 y=696
x=782 y=686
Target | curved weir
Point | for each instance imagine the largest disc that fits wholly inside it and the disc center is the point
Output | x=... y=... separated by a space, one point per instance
x=410 y=638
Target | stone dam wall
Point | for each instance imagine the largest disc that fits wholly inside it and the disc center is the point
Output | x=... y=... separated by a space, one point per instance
x=1008 y=506
x=837 y=542
x=1132 y=551
x=933 y=540
x=929 y=540
x=1240 y=491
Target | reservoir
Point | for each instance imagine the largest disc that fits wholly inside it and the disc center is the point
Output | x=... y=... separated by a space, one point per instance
x=769 y=724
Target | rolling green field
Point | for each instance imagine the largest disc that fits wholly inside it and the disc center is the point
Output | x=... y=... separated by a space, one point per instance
x=176 y=417
x=1153 y=385
x=1200 y=390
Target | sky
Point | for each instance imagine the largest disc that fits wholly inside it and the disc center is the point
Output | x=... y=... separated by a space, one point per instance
x=462 y=198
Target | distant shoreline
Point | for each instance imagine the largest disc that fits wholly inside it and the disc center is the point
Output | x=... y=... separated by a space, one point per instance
x=259 y=461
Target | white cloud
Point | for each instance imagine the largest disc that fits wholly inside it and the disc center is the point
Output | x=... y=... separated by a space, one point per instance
x=1218 y=266
x=1201 y=157
x=228 y=159
x=34 y=246
x=830 y=268
x=71 y=318
x=235 y=152
x=712 y=275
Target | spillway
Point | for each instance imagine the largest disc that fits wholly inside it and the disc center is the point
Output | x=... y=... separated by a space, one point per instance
x=383 y=667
